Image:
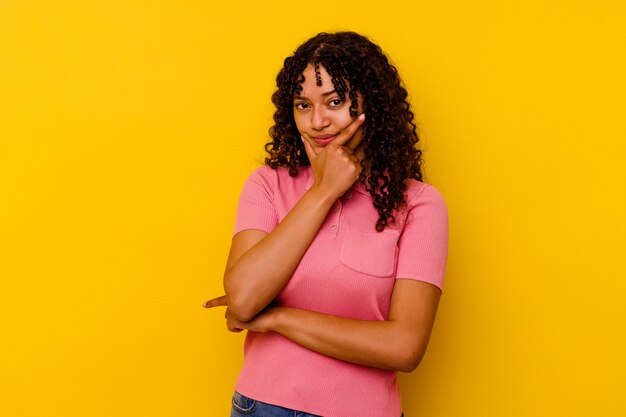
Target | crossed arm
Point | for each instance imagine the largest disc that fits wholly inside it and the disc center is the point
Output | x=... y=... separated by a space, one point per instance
x=398 y=343
x=260 y=264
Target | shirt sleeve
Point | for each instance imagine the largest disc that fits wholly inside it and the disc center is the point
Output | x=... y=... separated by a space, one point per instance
x=423 y=244
x=256 y=208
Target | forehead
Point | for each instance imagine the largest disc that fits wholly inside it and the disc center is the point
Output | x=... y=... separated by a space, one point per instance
x=315 y=81
x=315 y=75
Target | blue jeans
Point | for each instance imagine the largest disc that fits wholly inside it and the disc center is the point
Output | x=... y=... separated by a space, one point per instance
x=244 y=406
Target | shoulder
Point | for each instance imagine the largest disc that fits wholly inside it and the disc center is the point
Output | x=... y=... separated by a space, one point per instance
x=265 y=175
x=277 y=179
x=421 y=194
x=263 y=172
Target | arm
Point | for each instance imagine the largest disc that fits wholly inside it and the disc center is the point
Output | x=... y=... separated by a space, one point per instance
x=260 y=264
x=398 y=343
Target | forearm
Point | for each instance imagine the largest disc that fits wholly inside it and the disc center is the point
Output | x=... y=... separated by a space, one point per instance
x=383 y=344
x=258 y=275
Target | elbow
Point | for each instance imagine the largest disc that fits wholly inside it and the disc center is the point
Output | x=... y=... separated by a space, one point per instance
x=239 y=307
x=240 y=312
x=409 y=357
x=409 y=363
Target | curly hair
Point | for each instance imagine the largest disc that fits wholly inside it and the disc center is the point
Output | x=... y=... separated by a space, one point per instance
x=355 y=64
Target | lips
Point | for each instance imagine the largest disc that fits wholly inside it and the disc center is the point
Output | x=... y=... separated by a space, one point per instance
x=324 y=140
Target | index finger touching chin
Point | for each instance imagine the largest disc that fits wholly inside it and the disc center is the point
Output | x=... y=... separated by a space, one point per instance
x=346 y=135
x=355 y=137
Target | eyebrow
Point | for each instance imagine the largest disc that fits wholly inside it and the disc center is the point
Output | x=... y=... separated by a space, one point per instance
x=323 y=94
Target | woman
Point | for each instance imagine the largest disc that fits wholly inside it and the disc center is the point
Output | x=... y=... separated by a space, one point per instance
x=339 y=249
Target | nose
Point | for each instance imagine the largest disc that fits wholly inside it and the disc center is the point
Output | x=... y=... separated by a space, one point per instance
x=319 y=119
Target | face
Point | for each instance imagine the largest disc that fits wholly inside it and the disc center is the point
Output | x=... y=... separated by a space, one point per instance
x=319 y=112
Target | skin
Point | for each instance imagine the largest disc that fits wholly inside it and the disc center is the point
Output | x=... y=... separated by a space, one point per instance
x=319 y=112
x=260 y=264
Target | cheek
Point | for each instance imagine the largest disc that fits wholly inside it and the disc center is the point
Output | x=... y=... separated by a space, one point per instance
x=344 y=122
x=300 y=122
x=342 y=118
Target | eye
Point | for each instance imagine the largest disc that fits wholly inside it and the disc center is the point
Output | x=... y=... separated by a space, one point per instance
x=336 y=102
x=301 y=105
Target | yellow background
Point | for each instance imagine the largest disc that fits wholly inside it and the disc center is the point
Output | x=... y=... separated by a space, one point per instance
x=128 y=127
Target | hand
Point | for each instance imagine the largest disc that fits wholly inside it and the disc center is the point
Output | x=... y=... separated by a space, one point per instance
x=335 y=167
x=261 y=323
x=230 y=320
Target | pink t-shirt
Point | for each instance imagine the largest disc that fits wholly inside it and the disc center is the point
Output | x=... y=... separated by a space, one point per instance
x=349 y=270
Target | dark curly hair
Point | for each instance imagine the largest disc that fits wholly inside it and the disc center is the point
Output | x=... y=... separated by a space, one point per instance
x=355 y=64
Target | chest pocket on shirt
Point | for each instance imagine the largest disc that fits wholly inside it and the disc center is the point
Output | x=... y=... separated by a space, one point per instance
x=371 y=253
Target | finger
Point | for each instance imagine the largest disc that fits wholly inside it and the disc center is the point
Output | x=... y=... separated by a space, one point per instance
x=216 y=302
x=356 y=161
x=347 y=156
x=310 y=152
x=234 y=325
x=348 y=133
